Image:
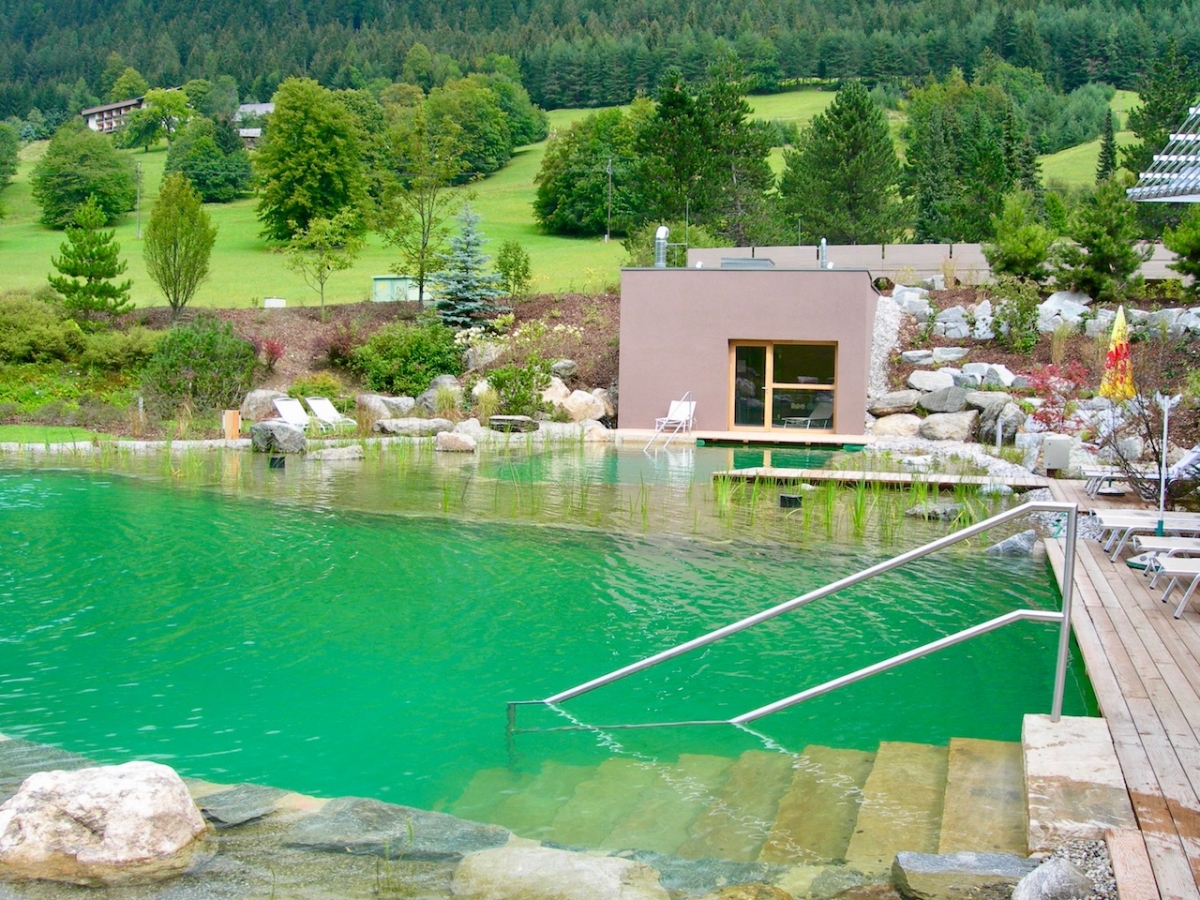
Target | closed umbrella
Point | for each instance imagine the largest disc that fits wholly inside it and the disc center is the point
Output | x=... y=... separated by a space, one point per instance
x=1117 y=383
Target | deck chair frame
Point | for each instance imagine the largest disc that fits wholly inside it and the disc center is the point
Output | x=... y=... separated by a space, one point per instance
x=681 y=415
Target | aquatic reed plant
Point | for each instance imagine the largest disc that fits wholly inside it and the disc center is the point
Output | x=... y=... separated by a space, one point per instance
x=858 y=508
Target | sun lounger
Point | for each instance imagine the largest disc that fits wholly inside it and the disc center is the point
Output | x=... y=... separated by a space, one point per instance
x=1156 y=549
x=1099 y=478
x=1116 y=528
x=327 y=414
x=292 y=411
x=1179 y=571
x=680 y=416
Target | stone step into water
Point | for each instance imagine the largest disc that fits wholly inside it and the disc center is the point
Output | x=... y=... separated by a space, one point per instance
x=985 y=798
x=530 y=812
x=817 y=815
x=486 y=791
x=901 y=807
x=602 y=801
x=19 y=759
x=681 y=792
x=737 y=821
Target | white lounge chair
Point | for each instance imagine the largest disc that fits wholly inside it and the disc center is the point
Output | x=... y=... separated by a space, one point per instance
x=292 y=411
x=327 y=414
x=1151 y=551
x=820 y=417
x=679 y=418
x=1179 y=570
x=1117 y=527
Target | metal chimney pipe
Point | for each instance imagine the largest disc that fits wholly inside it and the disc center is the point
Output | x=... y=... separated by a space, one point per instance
x=660 y=247
x=822 y=255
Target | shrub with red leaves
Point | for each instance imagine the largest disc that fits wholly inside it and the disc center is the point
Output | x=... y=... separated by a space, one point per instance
x=1058 y=388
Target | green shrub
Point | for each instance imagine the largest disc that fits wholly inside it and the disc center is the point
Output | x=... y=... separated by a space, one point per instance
x=1016 y=313
x=520 y=387
x=32 y=331
x=318 y=384
x=402 y=359
x=120 y=351
x=203 y=363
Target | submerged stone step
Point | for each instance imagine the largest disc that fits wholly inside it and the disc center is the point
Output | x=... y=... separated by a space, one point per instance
x=599 y=803
x=667 y=808
x=984 y=808
x=736 y=823
x=19 y=759
x=486 y=791
x=530 y=811
x=901 y=807
x=818 y=813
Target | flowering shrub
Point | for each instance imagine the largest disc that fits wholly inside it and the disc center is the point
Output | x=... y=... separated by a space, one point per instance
x=1058 y=388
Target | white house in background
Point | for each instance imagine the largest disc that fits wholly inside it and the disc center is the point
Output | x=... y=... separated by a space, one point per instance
x=111 y=116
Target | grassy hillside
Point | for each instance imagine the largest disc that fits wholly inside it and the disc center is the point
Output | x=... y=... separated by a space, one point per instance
x=244 y=271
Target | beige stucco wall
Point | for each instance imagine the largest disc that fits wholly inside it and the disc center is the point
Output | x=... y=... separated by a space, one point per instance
x=676 y=326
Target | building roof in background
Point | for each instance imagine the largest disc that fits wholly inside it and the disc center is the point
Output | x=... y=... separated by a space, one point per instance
x=247 y=110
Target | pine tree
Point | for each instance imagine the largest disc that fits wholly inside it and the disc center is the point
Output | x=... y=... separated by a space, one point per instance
x=88 y=266
x=1103 y=257
x=842 y=182
x=466 y=291
x=1106 y=167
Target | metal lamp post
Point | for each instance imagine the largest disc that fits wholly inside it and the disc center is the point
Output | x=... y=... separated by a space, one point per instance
x=1166 y=404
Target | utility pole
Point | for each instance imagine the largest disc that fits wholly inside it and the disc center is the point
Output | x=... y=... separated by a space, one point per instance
x=608 y=224
x=138 y=204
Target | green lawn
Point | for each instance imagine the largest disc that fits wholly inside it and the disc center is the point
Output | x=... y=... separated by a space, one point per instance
x=244 y=270
x=48 y=434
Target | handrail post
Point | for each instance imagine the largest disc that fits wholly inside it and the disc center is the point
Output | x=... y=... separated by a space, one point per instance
x=1068 y=596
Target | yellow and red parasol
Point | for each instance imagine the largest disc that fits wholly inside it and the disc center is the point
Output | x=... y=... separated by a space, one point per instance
x=1117 y=383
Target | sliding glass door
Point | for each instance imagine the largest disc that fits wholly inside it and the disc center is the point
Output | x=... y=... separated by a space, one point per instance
x=782 y=385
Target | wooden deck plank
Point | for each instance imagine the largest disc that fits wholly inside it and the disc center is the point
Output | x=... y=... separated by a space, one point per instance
x=898 y=479
x=1145 y=669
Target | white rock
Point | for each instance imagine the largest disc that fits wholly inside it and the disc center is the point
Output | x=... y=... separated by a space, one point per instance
x=581 y=405
x=948 y=354
x=480 y=388
x=949 y=426
x=122 y=824
x=516 y=872
x=999 y=374
x=1077 y=297
x=259 y=404
x=923 y=380
x=605 y=398
x=902 y=425
x=454 y=442
x=917 y=357
x=557 y=393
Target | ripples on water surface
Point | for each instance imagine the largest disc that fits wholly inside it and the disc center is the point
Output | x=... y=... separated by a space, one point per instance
x=358 y=629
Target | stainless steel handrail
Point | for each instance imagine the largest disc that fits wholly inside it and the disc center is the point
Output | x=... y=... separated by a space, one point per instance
x=1071 y=511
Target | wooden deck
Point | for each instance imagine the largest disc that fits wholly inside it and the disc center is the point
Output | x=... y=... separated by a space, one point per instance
x=1145 y=668
x=896 y=479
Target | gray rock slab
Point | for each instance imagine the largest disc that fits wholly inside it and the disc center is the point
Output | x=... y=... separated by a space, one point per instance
x=19 y=759
x=837 y=881
x=512 y=423
x=699 y=876
x=276 y=435
x=1055 y=879
x=965 y=380
x=981 y=400
x=917 y=357
x=238 y=804
x=952 y=314
x=895 y=402
x=999 y=375
x=924 y=380
x=522 y=872
x=948 y=354
x=1018 y=545
x=260 y=404
x=412 y=426
x=959 y=426
x=338 y=454
x=947 y=400
x=947 y=876
x=360 y=825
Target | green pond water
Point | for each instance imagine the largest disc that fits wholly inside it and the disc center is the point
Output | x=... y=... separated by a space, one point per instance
x=358 y=628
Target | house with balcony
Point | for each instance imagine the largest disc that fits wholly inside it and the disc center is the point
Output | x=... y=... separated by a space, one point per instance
x=111 y=116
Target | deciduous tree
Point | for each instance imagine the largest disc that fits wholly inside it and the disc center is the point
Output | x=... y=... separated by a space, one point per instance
x=79 y=164
x=128 y=84
x=324 y=247
x=89 y=265
x=308 y=167
x=162 y=113
x=179 y=242
x=842 y=181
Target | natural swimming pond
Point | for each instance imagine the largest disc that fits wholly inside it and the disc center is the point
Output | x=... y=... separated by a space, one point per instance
x=357 y=628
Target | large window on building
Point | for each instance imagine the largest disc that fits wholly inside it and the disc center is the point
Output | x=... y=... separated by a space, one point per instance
x=783 y=385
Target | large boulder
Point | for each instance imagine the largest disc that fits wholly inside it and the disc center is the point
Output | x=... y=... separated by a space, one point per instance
x=365 y=826
x=377 y=406
x=127 y=824
x=985 y=322
x=260 y=404
x=895 y=402
x=1020 y=544
x=947 y=876
x=1060 y=308
x=952 y=323
x=924 y=380
x=581 y=405
x=949 y=426
x=277 y=436
x=904 y=425
x=947 y=400
x=1003 y=415
x=606 y=399
x=412 y=426
x=428 y=401
x=1055 y=879
x=543 y=873
x=981 y=400
x=454 y=442
x=566 y=369
x=557 y=393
